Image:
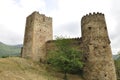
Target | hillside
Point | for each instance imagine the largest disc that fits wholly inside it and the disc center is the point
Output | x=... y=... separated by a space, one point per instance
x=115 y=57
x=15 y=68
x=8 y=50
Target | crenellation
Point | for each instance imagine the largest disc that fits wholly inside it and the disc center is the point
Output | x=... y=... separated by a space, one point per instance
x=94 y=43
x=48 y=19
x=38 y=27
x=92 y=16
x=41 y=17
x=96 y=47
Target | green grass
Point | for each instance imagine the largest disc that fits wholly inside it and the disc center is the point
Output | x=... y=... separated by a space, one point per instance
x=16 y=68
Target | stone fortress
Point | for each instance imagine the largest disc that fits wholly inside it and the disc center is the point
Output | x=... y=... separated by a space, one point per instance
x=94 y=43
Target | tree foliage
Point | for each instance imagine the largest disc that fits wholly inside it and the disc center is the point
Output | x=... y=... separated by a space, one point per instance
x=117 y=65
x=65 y=57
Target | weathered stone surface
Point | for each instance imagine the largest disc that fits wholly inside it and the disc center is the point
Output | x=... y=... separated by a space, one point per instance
x=99 y=64
x=38 y=31
x=94 y=43
x=74 y=43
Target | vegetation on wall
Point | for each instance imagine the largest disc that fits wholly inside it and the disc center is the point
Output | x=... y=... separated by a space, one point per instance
x=65 y=57
x=117 y=65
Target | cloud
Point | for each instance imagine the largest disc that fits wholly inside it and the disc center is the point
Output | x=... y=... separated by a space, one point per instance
x=66 y=16
x=72 y=10
x=71 y=29
x=13 y=16
x=115 y=28
x=7 y=36
x=69 y=13
x=32 y=5
x=51 y=5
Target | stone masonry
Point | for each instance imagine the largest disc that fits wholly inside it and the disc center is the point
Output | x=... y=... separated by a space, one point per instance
x=94 y=43
x=99 y=63
x=38 y=31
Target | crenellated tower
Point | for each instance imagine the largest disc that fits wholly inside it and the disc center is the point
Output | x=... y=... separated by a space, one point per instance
x=99 y=63
x=38 y=30
x=94 y=43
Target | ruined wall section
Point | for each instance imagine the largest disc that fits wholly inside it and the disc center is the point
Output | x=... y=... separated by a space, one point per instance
x=99 y=63
x=94 y=43
x=74 y=42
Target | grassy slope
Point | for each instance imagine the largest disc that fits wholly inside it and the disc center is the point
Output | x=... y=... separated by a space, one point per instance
x=7 y=50
x=15 y=68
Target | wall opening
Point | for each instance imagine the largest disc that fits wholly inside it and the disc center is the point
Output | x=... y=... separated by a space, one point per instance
x=95 y=47
x=43 y=19
x=104 y=47
x=85 y=58
x=105 y=28
x=105 y=75
x=89 y=28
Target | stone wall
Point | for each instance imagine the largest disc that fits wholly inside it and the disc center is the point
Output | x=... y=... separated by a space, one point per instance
x=74 y=43
x=38 y=31
x=27 y=49
x=94 y=43
x=99 y=64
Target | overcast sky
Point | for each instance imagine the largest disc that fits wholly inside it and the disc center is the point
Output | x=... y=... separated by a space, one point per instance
x=66 y=16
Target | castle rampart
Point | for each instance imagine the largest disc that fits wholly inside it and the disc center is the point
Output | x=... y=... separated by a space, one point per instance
x=99 y=64
x=38 y=31
x=94 y=43
x=92 y=16
x=74 y=42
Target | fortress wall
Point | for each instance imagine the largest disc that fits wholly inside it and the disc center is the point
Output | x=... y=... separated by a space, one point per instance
x=99 y=64
x=75 y=43
x=94 y=43
x=38 y=31
x=42 y=33
x=27 y=49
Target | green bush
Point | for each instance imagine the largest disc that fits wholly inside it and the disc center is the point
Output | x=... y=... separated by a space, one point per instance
x=65 y=58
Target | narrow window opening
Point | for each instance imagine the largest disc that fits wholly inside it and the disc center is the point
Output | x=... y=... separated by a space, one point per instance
x=104 y=47
x=85 y=58
x=105 y=75
x=43 y=19
x=95 y=47
x=90 y=43
x=30 y=21
x=105 y=28
x=89 y=28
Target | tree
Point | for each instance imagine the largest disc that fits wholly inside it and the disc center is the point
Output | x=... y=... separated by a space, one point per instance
x=117 y=65
x=65 y=57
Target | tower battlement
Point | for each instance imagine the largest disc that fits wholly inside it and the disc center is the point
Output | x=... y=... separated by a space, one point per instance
x=94 y=44
x=40 y=17
x=38 y=30
x=92 y=16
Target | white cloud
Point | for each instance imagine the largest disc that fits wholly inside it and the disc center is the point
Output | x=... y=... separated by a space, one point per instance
x=13 y=16
x=66 y=15
x=72 y=11
x=32 y=5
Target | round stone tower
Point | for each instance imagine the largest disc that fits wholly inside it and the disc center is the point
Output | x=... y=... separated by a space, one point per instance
x=99 y=64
